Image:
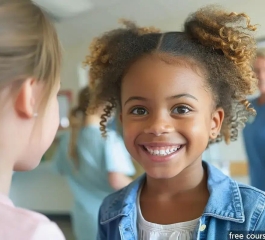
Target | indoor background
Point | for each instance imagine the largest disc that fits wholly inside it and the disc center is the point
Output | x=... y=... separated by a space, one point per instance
x=77 y=23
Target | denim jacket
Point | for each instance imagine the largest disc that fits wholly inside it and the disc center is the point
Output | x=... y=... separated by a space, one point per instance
x=232 y=207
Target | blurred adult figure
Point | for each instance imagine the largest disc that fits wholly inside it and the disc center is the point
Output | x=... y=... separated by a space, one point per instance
x=254 y=132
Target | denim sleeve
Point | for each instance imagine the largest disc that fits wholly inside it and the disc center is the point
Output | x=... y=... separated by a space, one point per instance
x=101 y=235
x=260 y=225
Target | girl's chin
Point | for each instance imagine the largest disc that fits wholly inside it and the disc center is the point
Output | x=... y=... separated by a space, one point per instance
x=163 y=174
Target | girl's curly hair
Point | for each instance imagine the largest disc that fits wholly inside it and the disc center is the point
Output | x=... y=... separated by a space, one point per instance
x=220 y=43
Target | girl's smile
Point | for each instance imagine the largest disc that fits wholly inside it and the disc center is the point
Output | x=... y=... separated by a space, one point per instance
x=161 y=151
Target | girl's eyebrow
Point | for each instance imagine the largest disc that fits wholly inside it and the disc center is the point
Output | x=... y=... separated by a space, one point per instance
x=172 y=97
x=183 y=95
x=135 y=98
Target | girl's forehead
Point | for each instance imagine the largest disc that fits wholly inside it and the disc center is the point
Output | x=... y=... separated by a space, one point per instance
x=158 y=60
x=163 y=69
x=154 y=77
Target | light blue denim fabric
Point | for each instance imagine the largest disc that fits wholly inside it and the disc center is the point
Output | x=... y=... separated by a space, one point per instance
x=231 y=207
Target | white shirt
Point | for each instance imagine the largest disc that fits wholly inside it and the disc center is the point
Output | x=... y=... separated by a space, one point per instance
x=153 y=231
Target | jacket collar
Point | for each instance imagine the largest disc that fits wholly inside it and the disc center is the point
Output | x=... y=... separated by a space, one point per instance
x=225 y=200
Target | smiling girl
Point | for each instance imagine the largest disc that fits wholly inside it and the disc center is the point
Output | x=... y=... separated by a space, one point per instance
x=176 y=93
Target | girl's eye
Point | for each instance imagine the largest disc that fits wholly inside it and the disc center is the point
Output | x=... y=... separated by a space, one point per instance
x=181 y=110
x=139 y=111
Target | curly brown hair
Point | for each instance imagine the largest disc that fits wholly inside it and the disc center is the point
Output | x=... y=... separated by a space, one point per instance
x=221 y=43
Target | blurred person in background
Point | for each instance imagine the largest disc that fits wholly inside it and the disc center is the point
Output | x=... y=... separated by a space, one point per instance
x=254 y=132
x=94 y=166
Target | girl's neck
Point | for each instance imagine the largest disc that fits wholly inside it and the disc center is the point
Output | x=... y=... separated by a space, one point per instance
x=179 y=199
x=6 y=171
x=190 y=181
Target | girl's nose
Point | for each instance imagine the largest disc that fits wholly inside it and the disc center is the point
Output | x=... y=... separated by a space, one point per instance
x=159 y=126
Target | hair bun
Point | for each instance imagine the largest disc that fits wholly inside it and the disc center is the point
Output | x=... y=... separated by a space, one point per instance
x=229 y=32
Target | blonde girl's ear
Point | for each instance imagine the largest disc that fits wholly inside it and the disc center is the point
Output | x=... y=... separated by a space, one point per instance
x=27 y=98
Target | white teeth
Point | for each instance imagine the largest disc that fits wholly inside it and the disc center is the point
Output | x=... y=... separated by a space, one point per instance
x=162 y=152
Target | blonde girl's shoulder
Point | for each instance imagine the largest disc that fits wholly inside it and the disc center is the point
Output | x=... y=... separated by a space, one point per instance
x=19 y=223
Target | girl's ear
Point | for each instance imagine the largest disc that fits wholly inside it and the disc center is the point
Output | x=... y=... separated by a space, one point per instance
x=25 y=103
x=216 y=122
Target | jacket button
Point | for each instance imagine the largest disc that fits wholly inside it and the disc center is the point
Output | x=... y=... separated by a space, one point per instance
x=202 y=227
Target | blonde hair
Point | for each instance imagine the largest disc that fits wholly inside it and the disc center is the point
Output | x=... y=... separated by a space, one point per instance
x=29 y=46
